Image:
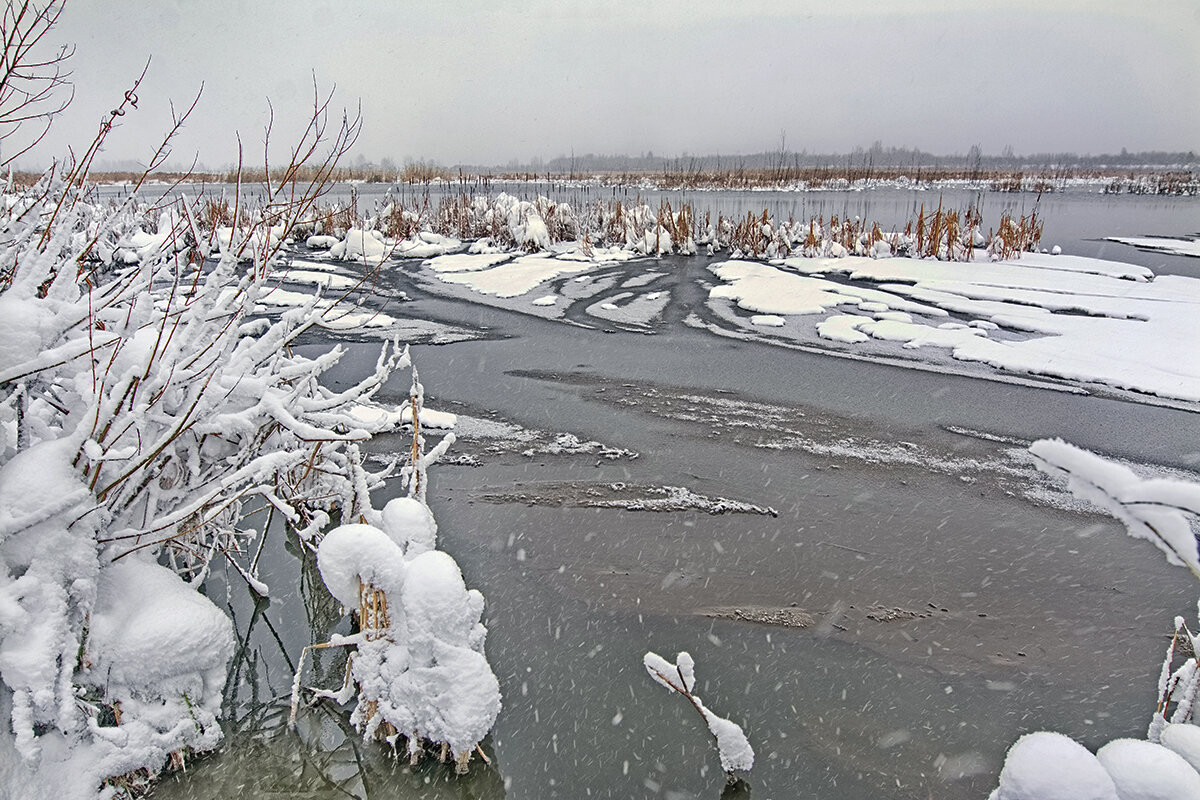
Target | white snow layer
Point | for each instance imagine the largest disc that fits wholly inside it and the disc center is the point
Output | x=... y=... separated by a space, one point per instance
x=1182 y=246
x=732 y=744
x=1081 y=319
x=1184 y=739
x=516 y=277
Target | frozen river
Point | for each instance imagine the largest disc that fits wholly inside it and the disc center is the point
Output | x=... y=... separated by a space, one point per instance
x=895 y=596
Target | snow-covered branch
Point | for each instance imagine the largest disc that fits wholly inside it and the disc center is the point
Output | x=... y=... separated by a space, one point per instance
x=732 y=745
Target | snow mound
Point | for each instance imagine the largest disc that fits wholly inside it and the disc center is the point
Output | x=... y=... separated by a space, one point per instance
x=409 y=523
x=319 y=242
x=1184 y=739
x=768 y=320
x=176 y=644
x=1051 y=766
x=360 y=245
x=349 y=553
x=1143 y=770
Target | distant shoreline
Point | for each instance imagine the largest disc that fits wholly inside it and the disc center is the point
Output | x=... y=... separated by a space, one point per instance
x=1146 y=180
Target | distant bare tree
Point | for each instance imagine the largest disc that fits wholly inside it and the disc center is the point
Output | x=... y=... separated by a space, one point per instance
x=34 y=84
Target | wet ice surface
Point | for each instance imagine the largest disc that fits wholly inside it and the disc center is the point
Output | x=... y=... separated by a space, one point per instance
x=921 y=598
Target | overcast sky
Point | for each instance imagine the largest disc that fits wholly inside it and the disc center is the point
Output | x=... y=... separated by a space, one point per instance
x=486 y=83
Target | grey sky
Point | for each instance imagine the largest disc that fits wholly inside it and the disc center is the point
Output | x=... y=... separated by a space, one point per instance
x=488 y=82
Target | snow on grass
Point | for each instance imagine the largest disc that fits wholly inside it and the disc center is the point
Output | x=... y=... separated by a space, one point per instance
x=516 y=277
x=1182 y=246
x=1080 y=319
x=548 y=300
x=425 y=244
x=420 y=666
x=360 y=245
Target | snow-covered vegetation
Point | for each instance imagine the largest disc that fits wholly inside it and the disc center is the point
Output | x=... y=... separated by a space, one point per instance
x=148 y=415
x=605 y=231
x=418 y=666
x=1164 y=766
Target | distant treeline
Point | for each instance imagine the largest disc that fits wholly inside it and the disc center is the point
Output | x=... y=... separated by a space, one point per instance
x=875 y=156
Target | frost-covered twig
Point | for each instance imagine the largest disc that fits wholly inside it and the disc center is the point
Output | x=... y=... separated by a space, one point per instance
x=732 y=745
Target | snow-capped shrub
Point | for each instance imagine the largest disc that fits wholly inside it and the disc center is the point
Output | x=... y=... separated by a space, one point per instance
x=418 y=669
x=144 y=407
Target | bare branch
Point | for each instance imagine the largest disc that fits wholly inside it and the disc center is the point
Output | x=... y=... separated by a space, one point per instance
x=34 y=88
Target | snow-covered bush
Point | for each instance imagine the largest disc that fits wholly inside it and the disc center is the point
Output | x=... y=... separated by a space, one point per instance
x=418 y=666
x=732 y=745
x=144 y=409
x=1051 y=766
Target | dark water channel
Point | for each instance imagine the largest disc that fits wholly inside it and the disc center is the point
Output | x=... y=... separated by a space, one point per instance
x=951 y=612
